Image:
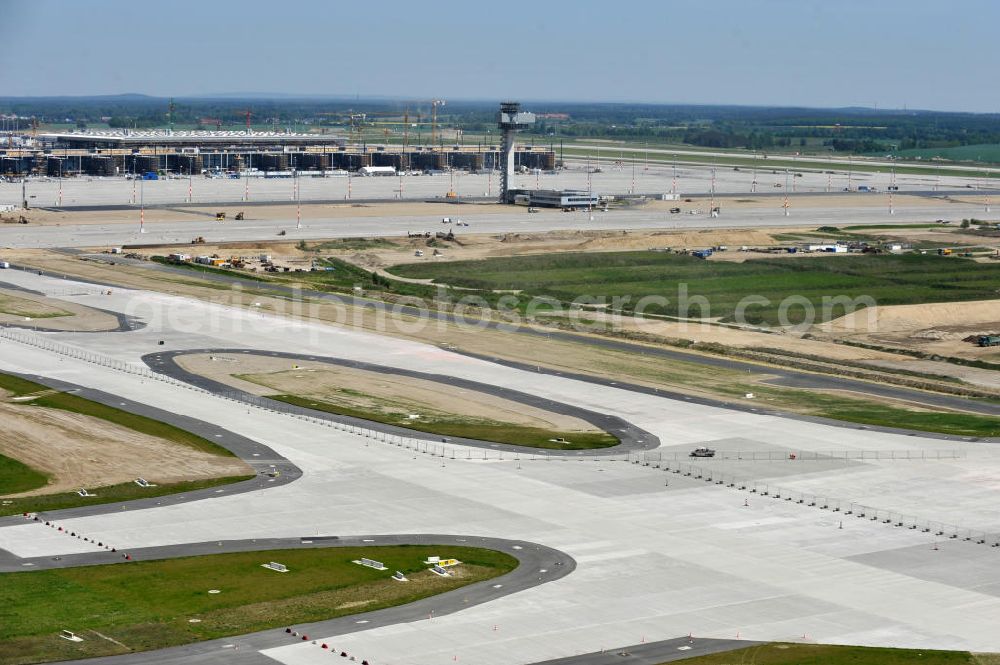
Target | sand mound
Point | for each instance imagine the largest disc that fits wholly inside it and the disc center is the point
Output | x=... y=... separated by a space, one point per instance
x=933 y=320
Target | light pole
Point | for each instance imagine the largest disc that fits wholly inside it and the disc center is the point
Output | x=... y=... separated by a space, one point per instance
x=892 y=178
x=298 y=202
x=785 y=205
x=590 y=194
x=987 y=190
x=142 y=206
x=673 y=185
x=711 y=212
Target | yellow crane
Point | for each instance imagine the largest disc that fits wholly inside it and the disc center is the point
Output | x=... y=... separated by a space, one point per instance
x=435 y=103
x=404 y=162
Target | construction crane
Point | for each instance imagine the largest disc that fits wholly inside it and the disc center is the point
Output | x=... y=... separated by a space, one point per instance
x=404 y=162
x=357 y=120
x=248 y=114
x=435 y=103
x=171 y=107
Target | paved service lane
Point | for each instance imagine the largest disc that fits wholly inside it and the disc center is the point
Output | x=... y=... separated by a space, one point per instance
x=658 y=555
x=632 y=437
x=653 y=653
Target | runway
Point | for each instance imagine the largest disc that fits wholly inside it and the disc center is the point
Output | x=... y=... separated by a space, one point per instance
x=518 y=221
x=658 y=555
x=951 y=198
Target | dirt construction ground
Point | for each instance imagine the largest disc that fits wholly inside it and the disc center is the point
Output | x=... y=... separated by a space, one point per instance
x=19 y=308
x=933 y=317
x=938 y=328
x=80 y=451
x=371 y=390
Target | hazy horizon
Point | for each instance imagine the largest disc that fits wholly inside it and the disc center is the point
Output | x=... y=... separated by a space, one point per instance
x=772 y=53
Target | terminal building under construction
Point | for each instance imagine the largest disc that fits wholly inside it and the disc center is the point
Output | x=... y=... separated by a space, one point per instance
x=121 y=153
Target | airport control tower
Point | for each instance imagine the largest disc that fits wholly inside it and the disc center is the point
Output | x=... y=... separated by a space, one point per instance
x=510 y=119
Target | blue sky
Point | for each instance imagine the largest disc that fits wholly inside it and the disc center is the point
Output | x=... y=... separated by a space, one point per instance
x=890 y=53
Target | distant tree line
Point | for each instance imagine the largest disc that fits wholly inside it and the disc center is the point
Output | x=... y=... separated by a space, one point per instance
x=850 y=130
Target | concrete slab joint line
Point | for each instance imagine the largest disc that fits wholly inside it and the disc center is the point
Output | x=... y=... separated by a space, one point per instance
x=824 y=502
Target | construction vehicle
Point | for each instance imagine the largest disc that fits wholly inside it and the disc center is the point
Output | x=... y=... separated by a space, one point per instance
x=532 y=209
x=200 y=240
x=239 y=216
x=988 y=340
x=220 y=216
x=702 y=452
x=944 y=251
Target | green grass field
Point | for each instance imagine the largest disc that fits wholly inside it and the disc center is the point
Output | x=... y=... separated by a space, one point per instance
x=59 y=400
x=17 y=477
x=24 y=307
x=746 y=161
x=105 y=494
x=825 y=654
x=470 y=428
x=980 y=152
x=873 y=413
x=888 y=279
x=149 y=604
x=342 y=277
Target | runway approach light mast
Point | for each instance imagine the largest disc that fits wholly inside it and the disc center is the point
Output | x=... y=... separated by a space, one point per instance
x=510 y=118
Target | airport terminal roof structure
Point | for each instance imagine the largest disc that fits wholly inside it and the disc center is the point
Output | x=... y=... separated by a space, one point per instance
x=126 y=138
